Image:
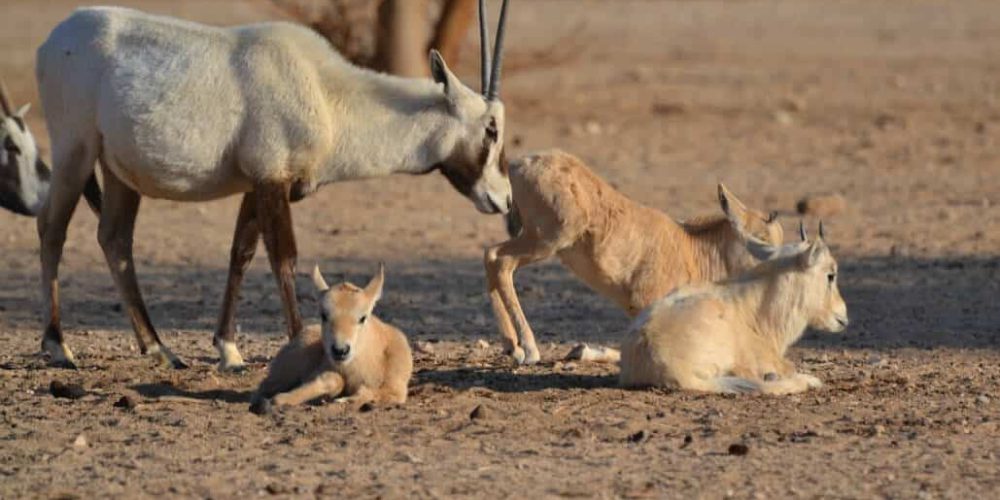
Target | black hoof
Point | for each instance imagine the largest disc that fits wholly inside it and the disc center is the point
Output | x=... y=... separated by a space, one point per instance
x=262 y=407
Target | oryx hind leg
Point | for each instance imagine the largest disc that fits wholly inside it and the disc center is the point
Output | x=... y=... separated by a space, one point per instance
x=119 y=207
x=274 y=216
x=245 y=239
x=501 y=261
x=73 y=165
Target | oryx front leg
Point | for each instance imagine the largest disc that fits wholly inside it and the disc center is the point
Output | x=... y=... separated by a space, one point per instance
x=245 y=239
x=73 y=166
x=274 y=216
x=501 y=261
x=325 y=384
x=119 y=208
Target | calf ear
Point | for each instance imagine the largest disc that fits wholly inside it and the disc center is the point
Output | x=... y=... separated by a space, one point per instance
x=810 y=256
x=318 y=281
x=374 y=287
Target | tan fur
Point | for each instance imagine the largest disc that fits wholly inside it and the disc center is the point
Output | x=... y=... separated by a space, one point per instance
x=732 y=336
x=378 y=365
x=627 y=252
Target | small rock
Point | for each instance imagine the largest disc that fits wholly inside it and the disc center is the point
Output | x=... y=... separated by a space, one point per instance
x=738 y=449
x=276 y=489
x=822 y=205
x=983 y=399
x=424 y=347
x=80 y=442
x=783 y=117
x=366 y=407
x=593 y=128
x=126 y=402
x=482 y=344
x=688 y=439
x=480 y=412
x=67 y=391
x=876 y=430
x=637 y=437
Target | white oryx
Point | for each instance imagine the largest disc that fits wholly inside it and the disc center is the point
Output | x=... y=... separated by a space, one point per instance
x=183 y=111
x=24 y=178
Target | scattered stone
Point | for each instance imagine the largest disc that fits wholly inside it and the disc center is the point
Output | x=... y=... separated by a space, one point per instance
x=80 y=442
x=424 y=347
x=366 y=407
x=983 y=399
x=126 y=402
x=66 y=391
x=688 y=439
x=783 y=117
x=480 y=412
x=276 y=489
x=638 y=437
x=738 y=449
x=482 y=344
x=822 y=205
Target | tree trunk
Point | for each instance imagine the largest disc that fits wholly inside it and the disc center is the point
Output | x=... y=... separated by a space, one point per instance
x=456 y=16
x=402 y=37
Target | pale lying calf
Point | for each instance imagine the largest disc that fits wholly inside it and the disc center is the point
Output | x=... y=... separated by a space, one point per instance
x=732 y=336
x=625 y=251
x=353 y=353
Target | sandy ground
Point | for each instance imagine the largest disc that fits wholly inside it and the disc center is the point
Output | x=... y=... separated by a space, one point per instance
x=892 y=103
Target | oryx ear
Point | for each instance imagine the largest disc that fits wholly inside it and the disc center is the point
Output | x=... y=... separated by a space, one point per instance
x=318 y=281
x=443 y=75
x=23 y=111
x=734 y=209
x=374 y=287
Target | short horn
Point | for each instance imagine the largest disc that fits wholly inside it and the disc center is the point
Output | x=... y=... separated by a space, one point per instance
x=802 y=231
x=8 y=108
x=497 y=62
x=484 y=49
x=821 y=229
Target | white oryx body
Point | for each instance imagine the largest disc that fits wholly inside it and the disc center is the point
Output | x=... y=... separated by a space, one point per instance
x=190 y=112
x=183 y=111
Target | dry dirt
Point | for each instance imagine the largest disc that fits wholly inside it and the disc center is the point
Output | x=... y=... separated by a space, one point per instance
x=893 y=104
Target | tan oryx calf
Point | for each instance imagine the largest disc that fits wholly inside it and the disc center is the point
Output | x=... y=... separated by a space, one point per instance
x=353 y=353
x=627 y=252
x=732 y=336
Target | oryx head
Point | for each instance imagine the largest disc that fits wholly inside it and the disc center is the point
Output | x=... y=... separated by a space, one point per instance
x=474 y=162
x=24 y=178
x=346 y=312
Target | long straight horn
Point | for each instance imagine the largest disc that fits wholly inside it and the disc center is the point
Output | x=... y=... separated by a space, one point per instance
x=802 y=231
x=8 y=108
x=484 y=49
x=498 y=54
x=821 y=229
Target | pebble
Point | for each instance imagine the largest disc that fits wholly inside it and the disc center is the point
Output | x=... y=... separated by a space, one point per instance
x=67 y=391
x=80 y=442
x=424 y=347
x=482 y=344
x=126 y=402
x=983 y=399
x=738 y=449
x=480 y=412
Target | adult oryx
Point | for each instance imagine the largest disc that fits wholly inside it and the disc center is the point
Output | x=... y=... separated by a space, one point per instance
x=183 y=111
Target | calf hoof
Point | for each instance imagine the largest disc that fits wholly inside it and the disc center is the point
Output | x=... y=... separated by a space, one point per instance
x=531 y=356
x=262 y=406
x=59 y=355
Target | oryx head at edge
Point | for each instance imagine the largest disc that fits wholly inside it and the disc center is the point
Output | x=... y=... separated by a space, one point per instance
x=476 y=166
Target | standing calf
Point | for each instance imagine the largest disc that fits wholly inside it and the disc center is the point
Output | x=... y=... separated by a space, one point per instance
x=625 y=251
x=732 y=336
x=353 y=353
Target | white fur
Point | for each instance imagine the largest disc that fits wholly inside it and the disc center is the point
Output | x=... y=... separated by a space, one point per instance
x=185 y=111
x=23 y=177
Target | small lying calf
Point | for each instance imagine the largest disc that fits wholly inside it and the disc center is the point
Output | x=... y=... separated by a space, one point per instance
x=353 y=353
x=732 y=336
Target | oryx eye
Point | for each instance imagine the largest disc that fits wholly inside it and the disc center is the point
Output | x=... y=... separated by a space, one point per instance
x=362 y=319
x=11 y=147
x=491 y=130
x=831 y=277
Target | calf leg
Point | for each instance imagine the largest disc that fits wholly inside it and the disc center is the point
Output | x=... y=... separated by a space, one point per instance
x=117 y=226
x=72 y=167
x=245 y=239
x=325 y=384
x=501 y=261
x=275 y=218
